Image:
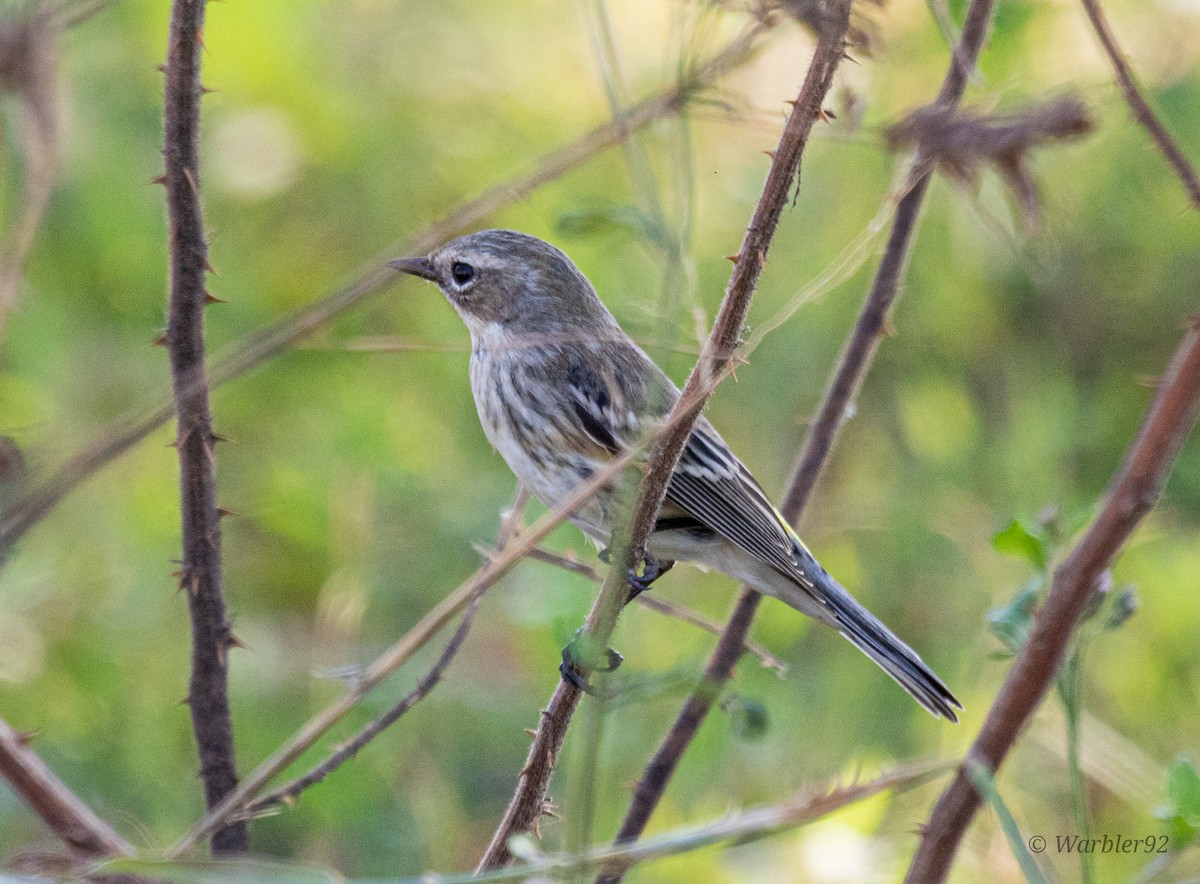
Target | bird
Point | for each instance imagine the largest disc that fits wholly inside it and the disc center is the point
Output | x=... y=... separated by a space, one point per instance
x=561 y=390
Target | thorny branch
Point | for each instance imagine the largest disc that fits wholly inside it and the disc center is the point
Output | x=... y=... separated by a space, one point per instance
x=847 y=378
x=1142 y=111
x=49 y=797
x=1133 y=492
x=264 y=345
x=528 y=802
x=200 y=573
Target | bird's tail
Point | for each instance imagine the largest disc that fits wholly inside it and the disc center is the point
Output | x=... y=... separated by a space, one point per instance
x=875 y=640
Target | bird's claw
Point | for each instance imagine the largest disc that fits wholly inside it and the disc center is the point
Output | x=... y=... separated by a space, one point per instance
x=652 y=569
x=573 y=671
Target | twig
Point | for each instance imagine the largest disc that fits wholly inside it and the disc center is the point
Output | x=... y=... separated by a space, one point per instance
x=509 y=525
x=261 y=346
x=847 y=378
x=740 y=828
x=288 y=793
x=49 y=797
x=1131 y=494
x=29 y=70
x=528 y=802
x=200 y=573
x=1142 y=111
x=667 y=609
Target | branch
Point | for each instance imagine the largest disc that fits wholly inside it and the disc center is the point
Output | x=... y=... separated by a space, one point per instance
x=509 y=522
x=1142 y=111
x=667 y=609
x=739 y=828
x=1132 y=493
x=264 y=345
x=528 y=802
x=49 y=797
x=200 y=574
x=847 y=378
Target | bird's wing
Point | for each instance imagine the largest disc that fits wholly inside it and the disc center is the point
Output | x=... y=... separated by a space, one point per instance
x=710 y=484
x=714 y=487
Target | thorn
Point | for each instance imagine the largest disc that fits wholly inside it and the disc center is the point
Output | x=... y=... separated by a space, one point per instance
x=216 y=437
x=160 y=341
x=289 y=800
x=204 y=90
x=160 y=179
x=733 y=258
x=24 y=738
x=825 y=115
x=535 y=828
x=211 y=455
x=186 y=701
x=532 y=733
x=162 y=68
x=222 y=513
x=208 y=266
x=793 y=102
x=234 y=642
x=178 y=575
x=850 y=58
x=888 y=328
x=770 y=153
x=187 y=173
x=210 y=298
x=200 y=39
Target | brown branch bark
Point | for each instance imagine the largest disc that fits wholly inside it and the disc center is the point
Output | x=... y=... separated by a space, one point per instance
x=528 y=802
x=208 y=699
x=264 y=345
x=1141 y=109
x=1133 y=492
x=49 y=797
x=847 y=378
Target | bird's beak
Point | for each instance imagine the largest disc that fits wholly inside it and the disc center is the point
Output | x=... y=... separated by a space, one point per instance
x=421 y=267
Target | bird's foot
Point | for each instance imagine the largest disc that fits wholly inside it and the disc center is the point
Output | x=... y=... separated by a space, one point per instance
x=652 y=569
x=574 y=670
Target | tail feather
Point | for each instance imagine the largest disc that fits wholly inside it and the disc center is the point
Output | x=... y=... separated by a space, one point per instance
x=879 y=643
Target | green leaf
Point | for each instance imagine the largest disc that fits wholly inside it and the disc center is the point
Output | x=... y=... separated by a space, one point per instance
x=1012 y=623
x=1181 y=813
x=985 y=784
x=748 y=716
x=1017 y=540
x=1123 y=607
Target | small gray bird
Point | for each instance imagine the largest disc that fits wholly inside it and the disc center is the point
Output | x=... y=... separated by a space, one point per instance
x=561 y=390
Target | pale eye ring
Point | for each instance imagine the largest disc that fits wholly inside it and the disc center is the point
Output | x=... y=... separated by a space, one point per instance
x=461 y=272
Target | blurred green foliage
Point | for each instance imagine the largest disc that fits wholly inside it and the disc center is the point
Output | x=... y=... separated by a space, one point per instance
x=1017 y=375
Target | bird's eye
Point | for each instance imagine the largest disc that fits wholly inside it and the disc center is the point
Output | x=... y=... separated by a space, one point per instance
x=462 y=272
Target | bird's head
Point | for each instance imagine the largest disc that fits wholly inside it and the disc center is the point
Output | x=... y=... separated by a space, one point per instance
x=513 y=283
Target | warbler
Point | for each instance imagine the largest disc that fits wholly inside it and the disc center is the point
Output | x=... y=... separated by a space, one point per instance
x=561 y=390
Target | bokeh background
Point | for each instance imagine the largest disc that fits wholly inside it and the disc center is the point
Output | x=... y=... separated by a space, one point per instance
x=1021 y=363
